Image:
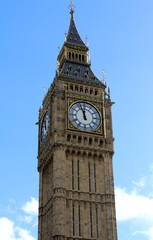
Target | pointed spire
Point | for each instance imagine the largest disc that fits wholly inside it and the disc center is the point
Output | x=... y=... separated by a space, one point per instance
x=73 y=37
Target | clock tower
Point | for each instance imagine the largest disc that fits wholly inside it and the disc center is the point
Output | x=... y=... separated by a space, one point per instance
x=76 y=188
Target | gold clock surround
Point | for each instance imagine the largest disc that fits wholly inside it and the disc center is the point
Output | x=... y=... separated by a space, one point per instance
x=97 y=106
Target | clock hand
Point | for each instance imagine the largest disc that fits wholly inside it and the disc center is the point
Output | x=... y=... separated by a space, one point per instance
x=84 y=115
x=83 y=111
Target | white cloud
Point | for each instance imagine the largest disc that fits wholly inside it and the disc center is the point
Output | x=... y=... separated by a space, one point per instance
x=8 y=231
x=132 y=205
x=141 y=183
x=31 y=207
x=148 y=233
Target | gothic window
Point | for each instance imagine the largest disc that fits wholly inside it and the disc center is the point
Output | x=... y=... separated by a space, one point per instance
x=96 y=92
x=73 y=213
x=89 y=177
x=78 y=171
x=72 y=56
x=80 y=57
x=79 y=139
x=79 y=222
x=87 y=71
x=72 y=175
x=76 y=56
x=79 y=69
x=81 y=89
x=75 y=74
x=85 y=75
x=71 y=87
x=76 y=88
x=90 y=141
x=95 y=177
x=69 y=55
x=70 y=68
x=86 y=90
x=91 y=91
x=68 y=138
x=91 y=222
x=101 y=143
x=97 y=223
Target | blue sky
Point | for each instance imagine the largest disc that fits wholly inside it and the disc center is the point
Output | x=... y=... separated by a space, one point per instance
x=120 y=37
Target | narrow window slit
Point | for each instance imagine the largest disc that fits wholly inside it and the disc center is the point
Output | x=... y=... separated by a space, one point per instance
x=89 y=177
x=72 y=175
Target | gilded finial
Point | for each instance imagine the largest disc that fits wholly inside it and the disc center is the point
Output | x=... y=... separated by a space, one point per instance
x=86 y=40
x=103 y=72
x=58 y=49
x=65 y=35
x=44 y=90
x=104 y=79
x=72 y=7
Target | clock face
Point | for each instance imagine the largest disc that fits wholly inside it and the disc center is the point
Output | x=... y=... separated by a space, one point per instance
x=84 y=116
x=45 y=127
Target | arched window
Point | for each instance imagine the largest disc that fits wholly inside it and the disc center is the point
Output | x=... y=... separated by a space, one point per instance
x=81 y=89
x=71 y=87
x=101 y=143
x=96 y=92
x=68 y=137
x=69 y=55
x=91 y=91
x=79 y=139
x=90 y=141
x=72 y=56
x=82 y=58
x=76 y=87
x=86 y=90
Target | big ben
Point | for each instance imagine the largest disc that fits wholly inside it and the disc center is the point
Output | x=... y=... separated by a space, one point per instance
x=76 y=186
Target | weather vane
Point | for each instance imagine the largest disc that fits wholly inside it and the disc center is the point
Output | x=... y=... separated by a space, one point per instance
x=72 y=7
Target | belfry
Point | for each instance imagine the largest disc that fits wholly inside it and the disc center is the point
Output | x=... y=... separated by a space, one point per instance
x=75 y=150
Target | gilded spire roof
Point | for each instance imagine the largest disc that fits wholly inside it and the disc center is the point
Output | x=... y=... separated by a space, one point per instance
x=73 y=38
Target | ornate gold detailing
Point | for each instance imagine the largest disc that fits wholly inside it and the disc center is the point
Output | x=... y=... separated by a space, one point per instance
x=44 y=90
x=97 y=106
x=72 y=7
x=104 y=78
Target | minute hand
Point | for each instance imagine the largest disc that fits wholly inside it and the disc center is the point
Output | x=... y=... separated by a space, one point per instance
x=83 y=111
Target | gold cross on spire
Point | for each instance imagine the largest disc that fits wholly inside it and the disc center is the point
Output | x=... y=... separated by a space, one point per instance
x=72 y=7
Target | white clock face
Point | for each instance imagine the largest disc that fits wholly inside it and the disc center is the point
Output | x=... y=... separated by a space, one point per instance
x=45 y=127
x=84 y=116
